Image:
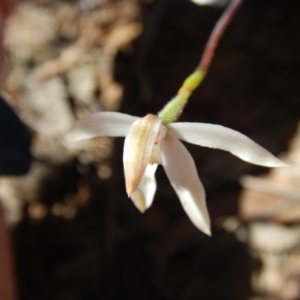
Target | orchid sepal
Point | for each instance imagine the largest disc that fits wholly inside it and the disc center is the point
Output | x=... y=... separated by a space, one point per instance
x=223 y=138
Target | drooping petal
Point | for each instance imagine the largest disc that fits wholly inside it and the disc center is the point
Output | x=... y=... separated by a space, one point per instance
x=219 y=137
x=101 y=124
x=143 y=196
x=138 y=148
x=182 y=173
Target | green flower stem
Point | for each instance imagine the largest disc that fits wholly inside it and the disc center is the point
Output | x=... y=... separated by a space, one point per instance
x=171 y=112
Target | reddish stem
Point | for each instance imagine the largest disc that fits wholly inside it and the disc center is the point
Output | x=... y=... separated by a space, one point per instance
x=218 y=31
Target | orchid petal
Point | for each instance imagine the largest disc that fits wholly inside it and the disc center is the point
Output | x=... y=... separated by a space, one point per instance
x=101 y=124
x=182 y=173
x=143 y=196
x=219 y=137
x=138 y=149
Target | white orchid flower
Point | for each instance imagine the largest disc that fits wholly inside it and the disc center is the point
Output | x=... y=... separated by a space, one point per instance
x=155 y=140
x=148 y=143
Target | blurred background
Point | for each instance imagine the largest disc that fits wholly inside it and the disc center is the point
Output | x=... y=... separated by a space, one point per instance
x=70 y=232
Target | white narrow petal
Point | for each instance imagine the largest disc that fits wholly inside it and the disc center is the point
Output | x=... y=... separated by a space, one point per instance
x=220 y=137
x=100 y=124
x=138 y=146
x=182 y=173
x=143 y=196
x=211 y=2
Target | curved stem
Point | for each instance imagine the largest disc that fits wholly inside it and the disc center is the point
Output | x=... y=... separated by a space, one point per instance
x=218 y=31
x=173 y=109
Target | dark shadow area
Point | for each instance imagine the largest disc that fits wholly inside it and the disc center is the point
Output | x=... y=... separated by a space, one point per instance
x=15 y=145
